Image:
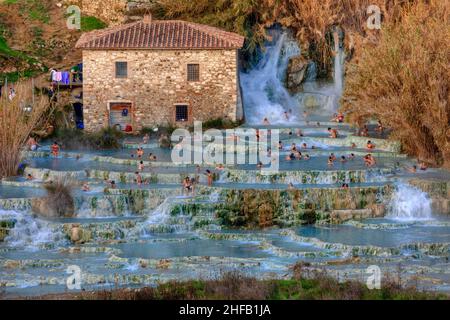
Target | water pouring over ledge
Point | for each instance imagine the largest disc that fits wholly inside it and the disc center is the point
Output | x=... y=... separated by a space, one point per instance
x=265 y=94
x=409 y=204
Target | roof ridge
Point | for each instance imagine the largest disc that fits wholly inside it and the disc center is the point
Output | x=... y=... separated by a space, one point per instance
x=161 y=34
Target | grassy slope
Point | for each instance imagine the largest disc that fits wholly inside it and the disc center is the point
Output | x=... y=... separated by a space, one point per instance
x=237 y=287
x=34 y=37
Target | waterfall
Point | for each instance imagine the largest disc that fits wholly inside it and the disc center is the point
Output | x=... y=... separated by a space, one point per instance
x=162 y=213
x=409 y=203
x=338 y=65
x=263 y=90
x=265 y=96
x=28 y=231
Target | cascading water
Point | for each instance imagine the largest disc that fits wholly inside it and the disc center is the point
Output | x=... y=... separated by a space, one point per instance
x=264 y=93
x=338 y=65
x=28 y=231
x=409 y=203
x=319 y=97
x=263 y=90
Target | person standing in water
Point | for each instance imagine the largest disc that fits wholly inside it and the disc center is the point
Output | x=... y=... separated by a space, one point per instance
x=209 y=176
x=55 y=149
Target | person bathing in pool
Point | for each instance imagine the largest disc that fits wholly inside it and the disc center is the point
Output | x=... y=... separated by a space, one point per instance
x=333 y=133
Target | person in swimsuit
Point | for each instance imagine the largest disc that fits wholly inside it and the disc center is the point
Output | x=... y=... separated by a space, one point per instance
x=210 y=177
x=55 y=149
x=370 y=145
x=138 y=178
x=330 y=161
x=146 y=138
x=333 y=133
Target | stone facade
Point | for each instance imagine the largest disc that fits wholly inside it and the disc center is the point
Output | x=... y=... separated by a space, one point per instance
x=157 y=82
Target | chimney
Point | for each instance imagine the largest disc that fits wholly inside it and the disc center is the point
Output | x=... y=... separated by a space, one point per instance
x=147 y=18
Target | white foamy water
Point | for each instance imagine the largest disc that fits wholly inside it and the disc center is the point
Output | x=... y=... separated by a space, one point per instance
x=28 y=231
x=409 y=203
x=263 y=90
x=162 y=213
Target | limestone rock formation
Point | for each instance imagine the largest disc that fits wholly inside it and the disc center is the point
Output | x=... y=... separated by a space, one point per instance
x=296 y=73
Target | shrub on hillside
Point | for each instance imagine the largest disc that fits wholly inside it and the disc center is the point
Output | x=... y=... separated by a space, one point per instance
x=404 y=81
x=74 y=139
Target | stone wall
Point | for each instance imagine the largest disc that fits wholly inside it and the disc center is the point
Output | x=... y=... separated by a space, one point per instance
x=157 y=80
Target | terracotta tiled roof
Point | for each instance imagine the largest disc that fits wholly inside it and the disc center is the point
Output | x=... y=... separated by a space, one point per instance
x=160 y=34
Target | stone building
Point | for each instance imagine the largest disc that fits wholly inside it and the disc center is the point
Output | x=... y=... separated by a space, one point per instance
x=155 y=72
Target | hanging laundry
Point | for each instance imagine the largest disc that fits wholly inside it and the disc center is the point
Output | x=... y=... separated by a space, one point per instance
x=58 y=76
x=65 y=77
x=53 y=75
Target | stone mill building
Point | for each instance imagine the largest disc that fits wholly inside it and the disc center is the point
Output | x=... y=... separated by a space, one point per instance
x=159 y=72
